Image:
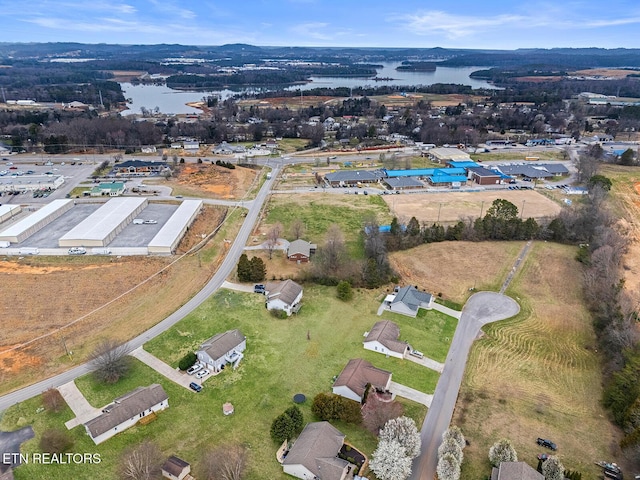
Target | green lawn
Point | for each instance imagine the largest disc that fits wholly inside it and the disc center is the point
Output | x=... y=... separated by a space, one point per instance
x=283 y=357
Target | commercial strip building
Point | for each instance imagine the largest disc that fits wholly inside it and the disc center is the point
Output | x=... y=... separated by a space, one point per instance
x=26 y=227
x=169 y=236
x=101 y=227
x=23 y=183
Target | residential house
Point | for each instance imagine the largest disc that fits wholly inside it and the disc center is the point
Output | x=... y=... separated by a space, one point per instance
x=126 y=411
x=283 y=296
x=112 y=189
x=407 y=300
x=139 y=168
x=314 y=455
x=515 y=471
x=191 y=146
x=383 y=338
x=300 y=251
x=149 y=149
x=176 y=469
x=225 y=149
x=356 y=375
x=222 y=349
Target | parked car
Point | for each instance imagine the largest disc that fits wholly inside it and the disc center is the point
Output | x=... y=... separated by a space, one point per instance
x=77 y=251
x=259 y=288
x=202 y=373
x=543 y=442
x=195 y=387
x=194 y=368
x=150 y=222
x=416 y=353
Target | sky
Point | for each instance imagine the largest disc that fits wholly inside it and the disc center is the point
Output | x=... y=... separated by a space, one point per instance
x=487 y=24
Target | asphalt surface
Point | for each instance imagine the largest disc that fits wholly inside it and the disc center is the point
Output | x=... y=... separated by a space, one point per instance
x=211 y=287
x=10 y=444
x=480 y=309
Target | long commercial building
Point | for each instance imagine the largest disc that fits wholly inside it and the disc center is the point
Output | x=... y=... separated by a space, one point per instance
x=167 y=239
x=9 y=211
x=101 y=227
x=26 y=227
x=30 y=182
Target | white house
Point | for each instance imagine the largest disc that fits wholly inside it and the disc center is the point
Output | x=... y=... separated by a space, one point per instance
x=383 y=338
x=283 y=296
x=126 y=411
x=407 y=301
x=222 y=349
x=356 y=375
x=314 y=455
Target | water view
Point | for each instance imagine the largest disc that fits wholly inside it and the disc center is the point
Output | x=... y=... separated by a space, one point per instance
x=169 y=101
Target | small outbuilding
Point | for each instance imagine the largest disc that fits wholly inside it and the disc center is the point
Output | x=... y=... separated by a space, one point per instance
x=176 y=469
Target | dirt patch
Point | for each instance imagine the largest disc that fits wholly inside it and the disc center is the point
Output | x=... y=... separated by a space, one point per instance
x=208 y=220
x=291 y=102
x=212 y=181
x=539 y=79
x=605 y=72
x=452 y=207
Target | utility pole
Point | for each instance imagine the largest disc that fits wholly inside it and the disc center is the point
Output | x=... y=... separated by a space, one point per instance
x=522 y=211
x=439 y=209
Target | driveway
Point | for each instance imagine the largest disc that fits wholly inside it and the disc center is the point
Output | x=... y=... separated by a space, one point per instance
x=238 y=287
x=10 y=444
x=426 y=362
x=176 y=376
x=410 y=394
x=83 y=410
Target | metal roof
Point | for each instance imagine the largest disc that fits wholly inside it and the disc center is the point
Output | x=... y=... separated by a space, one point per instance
x=351 y=176
x=447 y=178
x=176 y=223
x=425 y=172
x=403 y=182
x=26 y=223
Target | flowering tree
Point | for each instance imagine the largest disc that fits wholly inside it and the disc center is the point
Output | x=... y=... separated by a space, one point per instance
x=502 y=451
x=450 y=446
x=448 y=468
x=404 y=431
x=389 y=461
x=455 y=433
x=552 y=469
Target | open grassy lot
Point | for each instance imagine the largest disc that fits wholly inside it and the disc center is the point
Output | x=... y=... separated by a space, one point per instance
x=318 y=211
x=279 y=362
x=538 y=374
x=507 y=155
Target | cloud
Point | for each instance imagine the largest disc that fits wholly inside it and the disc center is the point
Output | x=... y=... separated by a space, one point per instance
x=171 y=9
x=437 y=22
x=312 y=30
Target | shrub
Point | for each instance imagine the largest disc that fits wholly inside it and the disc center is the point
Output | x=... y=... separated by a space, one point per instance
x=187 y=361
x=344 y=291
x=277 y=313
x=55 y=441
x=327 y=406
x=282 y=428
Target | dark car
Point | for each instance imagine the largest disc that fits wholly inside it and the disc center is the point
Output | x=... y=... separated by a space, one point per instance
x=259 y=289
x=546 y=443
x=195 y=387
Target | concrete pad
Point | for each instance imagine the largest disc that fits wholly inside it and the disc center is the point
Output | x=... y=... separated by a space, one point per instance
x=426 y=362
x=237 y=287
x=446 y=310
x=162 y=368
x=78 y=405
x=411 y=394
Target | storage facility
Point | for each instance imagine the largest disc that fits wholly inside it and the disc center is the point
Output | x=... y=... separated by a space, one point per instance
x=101 y=227
x=167 y=239
x=8 y=211
x=26 y=227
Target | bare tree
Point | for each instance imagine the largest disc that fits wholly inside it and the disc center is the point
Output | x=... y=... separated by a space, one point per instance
x=587 y=166
x=332 y=253
x=53 y=401
x=297 y=229
x=273 y=235
x=109 y=360
x=224 y=463
x=376 y=413
x=143 y=462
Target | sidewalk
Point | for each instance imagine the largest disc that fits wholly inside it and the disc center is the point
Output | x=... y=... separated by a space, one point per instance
x=162 y=368
x=411 y=394
x=78 y=405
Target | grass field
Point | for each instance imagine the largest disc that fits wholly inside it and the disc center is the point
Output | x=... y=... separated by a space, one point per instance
x=519 y=155
x=279 y=362
x=538 y=375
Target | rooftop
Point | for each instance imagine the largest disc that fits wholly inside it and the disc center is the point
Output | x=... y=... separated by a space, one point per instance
x=222 y=343
x=358 y=373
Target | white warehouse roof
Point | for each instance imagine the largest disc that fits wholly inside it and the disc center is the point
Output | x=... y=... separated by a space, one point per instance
x=104 y=224
x=8 y=211
x=171 y=232
x=34 y=222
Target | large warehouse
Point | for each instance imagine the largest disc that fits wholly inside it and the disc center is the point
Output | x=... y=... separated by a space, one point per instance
x=101 y=227
x=26 y=227
x=8 y=211
x=30 y=182
x=167 y=239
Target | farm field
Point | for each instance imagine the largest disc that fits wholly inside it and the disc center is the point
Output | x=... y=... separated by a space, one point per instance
x=450 y=207
x=549 y=153
x=48 y=293
x=538 y=375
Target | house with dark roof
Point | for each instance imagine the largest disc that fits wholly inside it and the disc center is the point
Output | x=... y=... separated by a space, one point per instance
x=351 y=178
x=515 y=471
x=283 y=296
x=403 y=183
x=126 y=411
x=383 y=338
x=222 y=349
x=484 y=176
x=314 y=455
x=139 y=168
x=176 y=469
x=300 y=250
x=407 y=300
x=356 y=375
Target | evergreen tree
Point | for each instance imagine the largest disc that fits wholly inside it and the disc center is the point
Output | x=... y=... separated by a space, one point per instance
x=257 y=269
x=244 y=268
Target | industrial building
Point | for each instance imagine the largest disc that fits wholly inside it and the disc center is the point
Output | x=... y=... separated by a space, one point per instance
x=101 y=227
x=26 y=227
x=22 y=183
x=9 y=211
x=167 y=239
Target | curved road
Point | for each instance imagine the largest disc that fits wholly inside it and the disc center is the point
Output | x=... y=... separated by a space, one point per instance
x=214 y=284
x=480 y=309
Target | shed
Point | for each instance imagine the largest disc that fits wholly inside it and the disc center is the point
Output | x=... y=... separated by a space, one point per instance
x=176 y=469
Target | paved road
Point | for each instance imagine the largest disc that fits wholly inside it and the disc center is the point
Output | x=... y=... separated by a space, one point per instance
x=480 y=309
x=214 y=284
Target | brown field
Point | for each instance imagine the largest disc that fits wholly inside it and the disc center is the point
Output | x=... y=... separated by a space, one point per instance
x=454 y=206
x=436 y=100
x=290 y=102
x=60 y=302
x=211 y=181
x=605 y=72
x=424 y=266
x=126 y=75
x=538 y=374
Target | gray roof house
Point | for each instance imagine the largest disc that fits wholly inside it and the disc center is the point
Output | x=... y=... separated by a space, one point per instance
x=407 y=300
x=383 y=338
x=222 y=349
x=300 y=250
x=515 y=471
x=283 y=296
x=314 y=455
x=126 y=411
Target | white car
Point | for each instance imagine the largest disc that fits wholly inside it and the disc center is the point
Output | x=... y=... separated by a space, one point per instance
x=416 y=353
x=77 y=251
x=194 y=368
x=150 y=222
x=202 y=373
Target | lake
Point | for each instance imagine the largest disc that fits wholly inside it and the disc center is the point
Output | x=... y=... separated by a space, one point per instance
x=171 y=101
